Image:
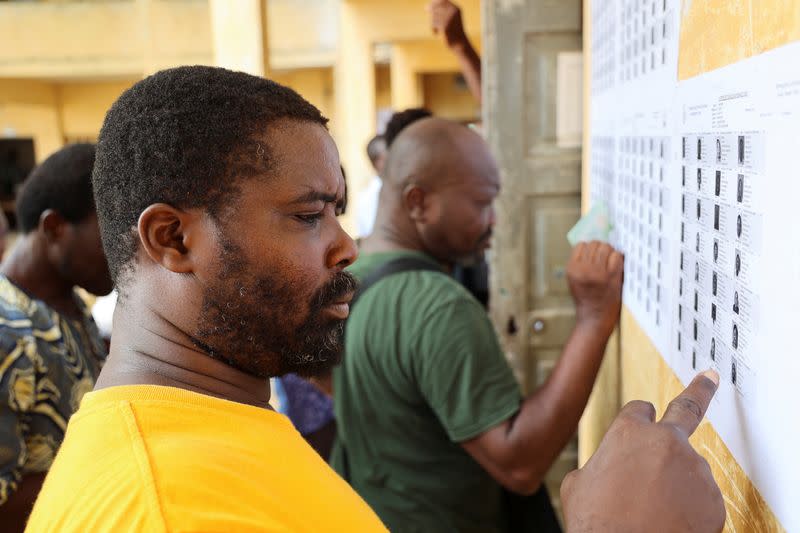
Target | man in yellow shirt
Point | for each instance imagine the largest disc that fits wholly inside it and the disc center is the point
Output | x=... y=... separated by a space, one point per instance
x=217 y=194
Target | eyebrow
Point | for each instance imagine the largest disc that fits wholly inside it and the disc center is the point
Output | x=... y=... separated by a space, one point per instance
x=316 y=196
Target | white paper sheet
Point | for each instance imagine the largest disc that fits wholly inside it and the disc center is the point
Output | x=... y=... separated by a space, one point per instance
x=711 y=236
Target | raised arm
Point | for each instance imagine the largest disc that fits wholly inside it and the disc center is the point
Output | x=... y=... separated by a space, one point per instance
x=519 y=451
x=446 y=20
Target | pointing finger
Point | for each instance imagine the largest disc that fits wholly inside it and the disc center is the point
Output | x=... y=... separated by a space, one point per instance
x=687 y=410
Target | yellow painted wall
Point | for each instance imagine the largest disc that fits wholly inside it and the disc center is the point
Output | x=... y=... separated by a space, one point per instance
x=83 y=106
x=52 y=113
x=102 y=39
x=412 y=59
x=383 y=87
x=62 y=64
x=449 y=99
x=362 y=25
x=315 y=45
x=30 y=109
x=136 y=37
x=714 y=33
x=315 y=84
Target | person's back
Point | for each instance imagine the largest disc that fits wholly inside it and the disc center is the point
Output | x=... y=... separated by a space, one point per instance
x=47 y=363
x=426 y=404
x=50 y=348
x=422 y=371
x=150 y=458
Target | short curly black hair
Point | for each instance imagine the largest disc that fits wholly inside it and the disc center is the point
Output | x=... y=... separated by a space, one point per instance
x=402 y=119
x=186 y=137
x=63 y=183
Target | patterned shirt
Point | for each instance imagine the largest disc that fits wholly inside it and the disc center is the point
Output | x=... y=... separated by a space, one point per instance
x=47 y=363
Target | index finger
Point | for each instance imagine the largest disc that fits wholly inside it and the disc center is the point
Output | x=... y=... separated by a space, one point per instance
x=578 y=251
x=687 y=410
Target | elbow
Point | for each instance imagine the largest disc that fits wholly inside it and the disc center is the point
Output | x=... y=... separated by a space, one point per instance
x=523 y=481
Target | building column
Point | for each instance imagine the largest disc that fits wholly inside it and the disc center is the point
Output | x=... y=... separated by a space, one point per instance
x=239 y=35
x=407 y=88
x=354 y=89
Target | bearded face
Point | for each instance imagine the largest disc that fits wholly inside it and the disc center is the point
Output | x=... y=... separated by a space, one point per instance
x=267 y=321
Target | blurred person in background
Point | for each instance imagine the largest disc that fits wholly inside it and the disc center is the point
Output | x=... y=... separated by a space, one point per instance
x=50 y=349
x=368 y=199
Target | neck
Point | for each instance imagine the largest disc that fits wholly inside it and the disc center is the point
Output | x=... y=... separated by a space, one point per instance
x=27 y=267
x=148 y=349
x=393 y=231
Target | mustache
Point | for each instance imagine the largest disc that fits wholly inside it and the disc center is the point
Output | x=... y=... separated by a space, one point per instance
x=341 y=285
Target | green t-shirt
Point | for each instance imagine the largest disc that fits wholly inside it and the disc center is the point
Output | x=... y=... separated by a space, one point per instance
x=422 y=372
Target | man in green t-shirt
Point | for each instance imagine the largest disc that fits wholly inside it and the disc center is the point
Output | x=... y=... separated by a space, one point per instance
x=431 y=420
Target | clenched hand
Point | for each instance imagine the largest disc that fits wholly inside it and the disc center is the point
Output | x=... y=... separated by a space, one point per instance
x=446 y=19
x=594 y=273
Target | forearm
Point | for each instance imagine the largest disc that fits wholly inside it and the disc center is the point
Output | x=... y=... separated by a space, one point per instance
x=519 y=451
x=470 y=63
x=549 y=417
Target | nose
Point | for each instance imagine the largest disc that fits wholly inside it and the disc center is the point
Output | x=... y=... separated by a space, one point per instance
x=344 y=251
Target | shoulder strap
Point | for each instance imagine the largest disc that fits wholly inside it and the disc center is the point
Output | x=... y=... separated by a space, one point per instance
x=402 y=264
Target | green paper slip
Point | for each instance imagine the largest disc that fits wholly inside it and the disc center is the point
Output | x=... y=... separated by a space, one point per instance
x=594 y=226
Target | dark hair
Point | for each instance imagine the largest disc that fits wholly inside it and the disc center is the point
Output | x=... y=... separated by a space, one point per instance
x=375 y=147
x=186 y=137
x=63 y=183
x=400 y=120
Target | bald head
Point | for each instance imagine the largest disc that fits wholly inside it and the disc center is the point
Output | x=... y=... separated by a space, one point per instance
x=434 y=152
x=439 y=185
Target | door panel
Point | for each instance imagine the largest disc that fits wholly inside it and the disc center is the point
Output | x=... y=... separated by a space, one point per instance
x=550 y=220
x=530 y=303
x=540 y=64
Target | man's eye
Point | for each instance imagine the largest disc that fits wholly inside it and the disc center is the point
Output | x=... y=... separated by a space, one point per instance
x=309 y=219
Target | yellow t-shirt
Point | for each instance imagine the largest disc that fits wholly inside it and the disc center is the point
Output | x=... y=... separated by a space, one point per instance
x=158 y=459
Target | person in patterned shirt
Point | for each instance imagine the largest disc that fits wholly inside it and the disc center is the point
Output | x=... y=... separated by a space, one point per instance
x=50 y=349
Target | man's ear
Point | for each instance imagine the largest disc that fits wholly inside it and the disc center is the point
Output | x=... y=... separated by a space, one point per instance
x=166 y=232
x=52 y=225
x=414 y=200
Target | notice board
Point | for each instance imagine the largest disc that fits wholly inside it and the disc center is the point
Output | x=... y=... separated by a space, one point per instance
x=692 y=128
